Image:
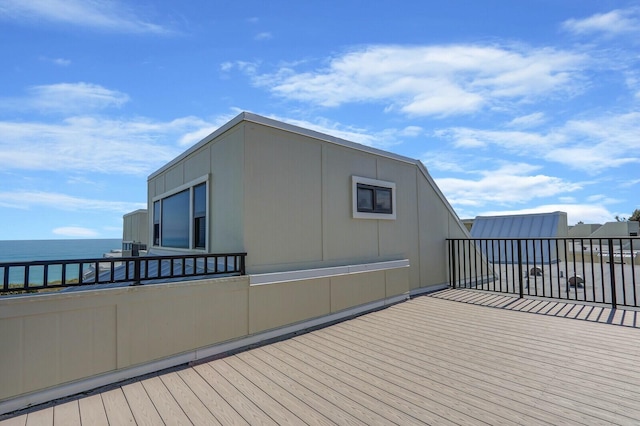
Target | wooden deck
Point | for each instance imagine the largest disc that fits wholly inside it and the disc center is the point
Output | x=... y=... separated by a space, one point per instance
x=430 y=360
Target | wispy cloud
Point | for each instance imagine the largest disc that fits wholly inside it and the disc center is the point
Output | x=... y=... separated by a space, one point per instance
x=80 y=143
x=51 y=200
x=61 y=62
x=589 y=145
x=435 y=80
x=527 y=121
x=66 y=98
x=104 y=15
x=75 y=231
x=513 y=183
x=263 y=36
x=616 y=22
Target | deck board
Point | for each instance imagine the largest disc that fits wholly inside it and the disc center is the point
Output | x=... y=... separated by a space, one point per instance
x=454 y=357
x=117 y=407
x=92 y=411
x=40 y=418
x=144 y=412
x=67 y=414
x=165 y=403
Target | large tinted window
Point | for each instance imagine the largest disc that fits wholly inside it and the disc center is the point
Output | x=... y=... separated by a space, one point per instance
x=175 y=220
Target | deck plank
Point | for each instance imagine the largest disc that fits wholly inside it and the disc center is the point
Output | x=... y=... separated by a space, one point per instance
x=41 y=417
x=92 y=411
x=288 y=400
x=144 y=412
x=319 y=402
x=215 y=403
x=117 y=407
x=252 y=413
x=195 y=410
x=165 y=403
x=67 y=414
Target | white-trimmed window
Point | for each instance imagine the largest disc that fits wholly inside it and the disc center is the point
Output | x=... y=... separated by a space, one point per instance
x=373 y=198
x=180 y=216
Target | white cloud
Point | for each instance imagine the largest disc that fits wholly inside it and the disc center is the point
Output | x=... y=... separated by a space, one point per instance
x=67 y=98
x=75 y=231
x=96 y=14
x=514 y=141
x=51 y=200
x=263 y=36
x=94 y=144
x=431 y=80
x=612 y=23
x=528 y=121
x=510 y=184
x=590 y=145
x=56 y=61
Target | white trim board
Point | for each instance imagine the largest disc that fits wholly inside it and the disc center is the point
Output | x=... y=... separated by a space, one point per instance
x=308 y=274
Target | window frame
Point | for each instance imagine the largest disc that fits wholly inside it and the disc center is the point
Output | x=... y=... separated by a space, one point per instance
x=359 y=182
x=157 y=225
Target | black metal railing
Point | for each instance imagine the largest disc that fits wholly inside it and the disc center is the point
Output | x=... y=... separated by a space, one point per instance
x=51 y=274
x=599 y=270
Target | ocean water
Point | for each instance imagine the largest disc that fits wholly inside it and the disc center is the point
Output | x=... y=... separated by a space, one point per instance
x=27 y=250
x=30 y=250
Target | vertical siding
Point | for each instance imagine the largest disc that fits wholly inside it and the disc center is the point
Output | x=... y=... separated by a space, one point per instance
x=283 y=203
x=434 y=228
x=400 y=238
x=346 y=238
x=226 y=193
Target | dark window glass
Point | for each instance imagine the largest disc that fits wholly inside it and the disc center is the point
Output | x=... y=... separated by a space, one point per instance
x=383 y=200
x=365 y=199
x=156 y=223
x=374 y=199
x=174 y=230
x=200 y=216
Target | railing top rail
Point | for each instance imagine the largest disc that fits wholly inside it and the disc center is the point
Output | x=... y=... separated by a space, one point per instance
x=117 y=259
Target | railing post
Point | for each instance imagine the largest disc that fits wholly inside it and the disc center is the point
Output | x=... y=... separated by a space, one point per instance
x=612 y=274
x=453 y=263
x=520 y=278
x=136 y=271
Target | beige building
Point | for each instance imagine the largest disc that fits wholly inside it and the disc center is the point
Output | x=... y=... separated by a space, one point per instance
x=299 y=200
x=135 y=232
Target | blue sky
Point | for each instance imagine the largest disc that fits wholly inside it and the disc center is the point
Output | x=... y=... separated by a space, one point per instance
x=513 y=106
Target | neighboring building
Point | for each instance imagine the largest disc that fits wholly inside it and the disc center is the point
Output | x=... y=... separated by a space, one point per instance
x=468 y=223
x=534 y=226
x=135 y=232
x=583 y=230
x=296 y=200
x=617 y=229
